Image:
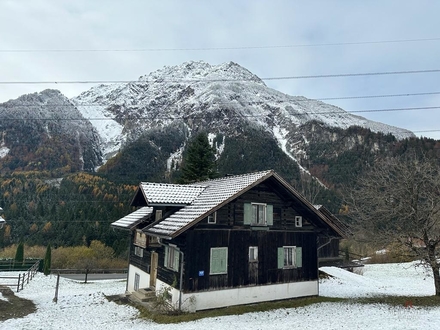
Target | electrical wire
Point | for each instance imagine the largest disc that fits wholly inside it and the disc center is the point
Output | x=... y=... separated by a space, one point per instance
x=217 y=48
x=137 y=82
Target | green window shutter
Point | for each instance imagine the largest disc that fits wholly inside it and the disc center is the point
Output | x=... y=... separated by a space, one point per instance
x=299 y=257
x=219 y=260
x=269 y=215
x=166 y=256
x=176 y=260
x=281 y=257
x=247 y=213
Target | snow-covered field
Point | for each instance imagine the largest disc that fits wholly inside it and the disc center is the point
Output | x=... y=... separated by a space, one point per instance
x=83 y=306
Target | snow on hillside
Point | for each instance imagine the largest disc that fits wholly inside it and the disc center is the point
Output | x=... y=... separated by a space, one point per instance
x=195 y=89
x=83 y=306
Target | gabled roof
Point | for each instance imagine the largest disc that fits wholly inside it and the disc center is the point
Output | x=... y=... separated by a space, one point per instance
x=214 y=195
x=134 y=218
x=203 y=198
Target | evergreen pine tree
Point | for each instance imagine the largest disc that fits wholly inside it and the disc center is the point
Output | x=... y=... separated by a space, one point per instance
x=199 y=162
x=47 y=260
x=19 y=254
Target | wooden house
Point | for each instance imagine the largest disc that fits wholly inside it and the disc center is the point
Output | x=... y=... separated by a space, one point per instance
x=229 y=241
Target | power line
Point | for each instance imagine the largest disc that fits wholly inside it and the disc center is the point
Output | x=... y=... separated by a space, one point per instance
x=62 y=105
x=216 y=48
x=337 y=75
x=195 y=116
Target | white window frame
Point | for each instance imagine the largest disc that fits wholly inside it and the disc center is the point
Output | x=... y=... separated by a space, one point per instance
x=253 y=253
x=170 y=257
x=138 y=251
x=259 y=210
x=298 y=221
x=289 y=256
x=212 y=218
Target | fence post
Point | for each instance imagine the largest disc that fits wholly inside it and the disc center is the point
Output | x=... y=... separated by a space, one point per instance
x=18 y=284
x=55 y=299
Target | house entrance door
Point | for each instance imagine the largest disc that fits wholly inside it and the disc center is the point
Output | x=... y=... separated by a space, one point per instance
x=137 y=279
x=153 y=269
x=253 y=265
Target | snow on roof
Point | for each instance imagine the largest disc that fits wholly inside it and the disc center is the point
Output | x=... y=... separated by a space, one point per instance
x=213 y=195
x=165 y=193
x=134 y=218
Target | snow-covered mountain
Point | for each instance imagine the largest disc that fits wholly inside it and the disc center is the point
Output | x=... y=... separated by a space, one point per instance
x=46 y=131
x=216 y=98
x=163 y=109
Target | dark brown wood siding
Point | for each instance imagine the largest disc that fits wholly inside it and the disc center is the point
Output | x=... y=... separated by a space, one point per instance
x=200 y=242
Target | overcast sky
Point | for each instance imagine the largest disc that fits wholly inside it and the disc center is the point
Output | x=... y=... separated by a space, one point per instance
x=271 y=38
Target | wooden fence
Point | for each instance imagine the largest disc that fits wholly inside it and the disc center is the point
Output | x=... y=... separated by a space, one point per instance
x=22 y=278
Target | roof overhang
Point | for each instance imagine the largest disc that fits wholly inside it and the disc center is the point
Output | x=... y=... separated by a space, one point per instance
x=131 y=220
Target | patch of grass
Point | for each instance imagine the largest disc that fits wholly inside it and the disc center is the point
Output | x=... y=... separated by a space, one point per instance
x=13 y=306
x=233 y=310
x=425 y=301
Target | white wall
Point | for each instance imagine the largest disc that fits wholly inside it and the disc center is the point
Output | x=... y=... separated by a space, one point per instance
x=244 y=295
x=144 y=280
x=227 y=297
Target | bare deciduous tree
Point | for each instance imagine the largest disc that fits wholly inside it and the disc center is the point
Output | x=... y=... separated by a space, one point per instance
x=398 y=201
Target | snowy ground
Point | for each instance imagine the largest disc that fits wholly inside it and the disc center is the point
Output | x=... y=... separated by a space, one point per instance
x=83 y=306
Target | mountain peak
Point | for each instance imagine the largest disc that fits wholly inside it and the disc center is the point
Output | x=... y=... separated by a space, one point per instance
x=203 y=72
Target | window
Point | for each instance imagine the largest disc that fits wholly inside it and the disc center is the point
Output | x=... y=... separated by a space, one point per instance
x=298 y=221
x=158 y=215
x=258 y=214
x=138 y=251
x=253 y=253
x=140 y=239
x=289 y=257
x=218 y=261
x=212 y=218
x=171 y=259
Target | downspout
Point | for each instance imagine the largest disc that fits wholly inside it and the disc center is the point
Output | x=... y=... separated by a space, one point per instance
x=181 y=272
x=130 y=242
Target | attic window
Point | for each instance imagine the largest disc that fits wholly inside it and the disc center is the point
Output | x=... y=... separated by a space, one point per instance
x=258 y=214
x=298 y=221
x=212 y=218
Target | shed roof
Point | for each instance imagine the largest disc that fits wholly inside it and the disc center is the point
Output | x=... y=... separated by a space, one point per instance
x=134 y=218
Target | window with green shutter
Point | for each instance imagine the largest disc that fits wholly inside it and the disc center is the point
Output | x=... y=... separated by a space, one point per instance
x=289 y=257
x=258 y=214
x=218 y=261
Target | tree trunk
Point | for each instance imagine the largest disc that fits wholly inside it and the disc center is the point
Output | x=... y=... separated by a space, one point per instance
x=435 y=268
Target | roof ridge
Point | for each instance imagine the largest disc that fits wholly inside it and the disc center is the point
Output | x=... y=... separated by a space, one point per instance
x=228 y=177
